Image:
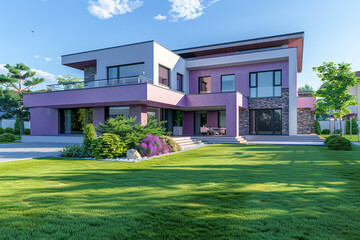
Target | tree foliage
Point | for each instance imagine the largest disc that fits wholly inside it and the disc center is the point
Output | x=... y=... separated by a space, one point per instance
x=19 y=80
x=334 y=95
x=306 y=88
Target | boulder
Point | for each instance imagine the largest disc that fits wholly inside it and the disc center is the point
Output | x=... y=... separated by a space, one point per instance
x=133 y=154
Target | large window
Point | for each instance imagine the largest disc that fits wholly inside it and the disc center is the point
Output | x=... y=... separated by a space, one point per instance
x=265 y=121
x=124 y=71
x=179 y=81
x=222 y=119
x=265 y=84
x=164 y=76
x=204 y=84
x=228 y=83
x=119 y=111
x=73 y=121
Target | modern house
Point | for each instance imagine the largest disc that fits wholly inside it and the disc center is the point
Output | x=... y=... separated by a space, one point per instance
x=236 y=88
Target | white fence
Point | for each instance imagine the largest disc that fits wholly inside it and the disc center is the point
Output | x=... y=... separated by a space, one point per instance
x=325 y=125
x=4 y=123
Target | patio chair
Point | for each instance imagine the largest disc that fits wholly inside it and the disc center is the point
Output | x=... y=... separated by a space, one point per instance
x=203 y=130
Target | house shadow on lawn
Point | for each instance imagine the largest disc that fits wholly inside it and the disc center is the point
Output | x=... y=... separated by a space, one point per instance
x=216 y=192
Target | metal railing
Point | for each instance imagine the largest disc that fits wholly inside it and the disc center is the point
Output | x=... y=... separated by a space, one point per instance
x=99 y=83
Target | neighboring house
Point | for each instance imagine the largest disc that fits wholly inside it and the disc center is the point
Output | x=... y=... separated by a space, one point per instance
x=355 y=91
x=232 y=89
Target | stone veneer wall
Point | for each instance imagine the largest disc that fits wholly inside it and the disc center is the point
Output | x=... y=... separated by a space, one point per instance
x=305 y=121
x=89 y=73
x=266 y=103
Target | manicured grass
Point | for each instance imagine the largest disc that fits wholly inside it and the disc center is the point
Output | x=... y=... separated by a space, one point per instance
x=214 y=192
x=353 y=138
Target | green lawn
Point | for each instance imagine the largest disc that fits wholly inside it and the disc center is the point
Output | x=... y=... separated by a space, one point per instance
x=214 y=192
x=353 y=138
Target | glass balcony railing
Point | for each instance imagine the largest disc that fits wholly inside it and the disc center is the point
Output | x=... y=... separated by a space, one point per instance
x=99 y=83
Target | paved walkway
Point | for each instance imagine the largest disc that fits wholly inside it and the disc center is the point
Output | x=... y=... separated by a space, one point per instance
x=21 y=151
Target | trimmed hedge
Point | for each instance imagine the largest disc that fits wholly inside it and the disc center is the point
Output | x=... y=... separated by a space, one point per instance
x=337 y=131
x=329 y=138
x=317 y=127
x=339 y=143
x=325 y=131
x=107 y=146
x=27 y=131
x=77 y=151
x=9 y=130
x=7 y=138
x=2 y=130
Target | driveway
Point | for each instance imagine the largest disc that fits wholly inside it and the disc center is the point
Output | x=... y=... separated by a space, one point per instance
x=26 y=150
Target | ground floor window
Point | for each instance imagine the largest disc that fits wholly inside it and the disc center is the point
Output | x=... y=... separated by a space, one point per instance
x=113 y=112
x=210 y=123
x=73 y=121
x=154 y=114
x=265 y=121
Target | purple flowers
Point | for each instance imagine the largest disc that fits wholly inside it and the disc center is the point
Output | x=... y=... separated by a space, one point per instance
x=152 y=146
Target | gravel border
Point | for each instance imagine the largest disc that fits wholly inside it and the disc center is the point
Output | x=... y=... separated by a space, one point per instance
x=124 y=159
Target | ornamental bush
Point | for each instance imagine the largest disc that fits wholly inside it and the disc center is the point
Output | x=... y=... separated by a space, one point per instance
x=76 y=151
x=339 y=143
x=107 y=146
x=317 y=127
x=27 y=131
x=129 y=131
x=152 y=146
x=325 y=131
x=175 y=147
x=329 y=138
x=354 y=126
x=89 y=135
x=9 y=130
x=2 y=130
x=337 y=131
x=7 y=138
x=17 y=126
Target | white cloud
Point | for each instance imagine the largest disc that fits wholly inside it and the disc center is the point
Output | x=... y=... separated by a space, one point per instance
x=49 y=77
x=160 y=17
x=48 y=59
x=36 y=56
x=105 y=9
x=188 y=9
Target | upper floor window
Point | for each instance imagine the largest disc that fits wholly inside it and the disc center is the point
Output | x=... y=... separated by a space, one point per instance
x=228 y=83
x=179 y=82
x=204 y=84
x=265 y=84
x=164 y=76
x=124 y=71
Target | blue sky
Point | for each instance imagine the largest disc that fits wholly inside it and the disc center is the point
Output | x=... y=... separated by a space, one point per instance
x=67 y=26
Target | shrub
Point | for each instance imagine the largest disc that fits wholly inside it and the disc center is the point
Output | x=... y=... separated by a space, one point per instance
x=78 y=151
x=152 y=146
x=107 y=146
x=2 y=130
x=89 y=135
x=129 y=131
x=27 y=131
x=329 y=138
x=9 y=130
x=317 y=127
x=325 y=131
x=339 y=143
x=175 y=147
x=7 y=137
x=354 y=126
x=337 y=131
x=17 y=126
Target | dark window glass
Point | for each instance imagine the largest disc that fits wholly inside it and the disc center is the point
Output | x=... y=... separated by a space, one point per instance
x=228 y=83
x=265 y=84
x=179 y=82
x=204 y=84
x=133 y=70
x=117 y=111
x=222 y=119
x=265 y=121
x=164 y=76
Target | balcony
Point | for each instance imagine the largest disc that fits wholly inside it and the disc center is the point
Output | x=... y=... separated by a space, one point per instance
x=99 y=83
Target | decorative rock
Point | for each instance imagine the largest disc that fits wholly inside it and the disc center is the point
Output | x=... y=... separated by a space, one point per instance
x=133 y=154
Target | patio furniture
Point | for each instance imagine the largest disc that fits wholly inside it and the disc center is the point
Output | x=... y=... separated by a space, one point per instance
x=204 y=130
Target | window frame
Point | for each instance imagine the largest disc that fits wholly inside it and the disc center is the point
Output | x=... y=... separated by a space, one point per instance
x=181 y=89
x=169 y=80
x=118 y=70
x=257 y=84
x=199 y=88
x=221 y=82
